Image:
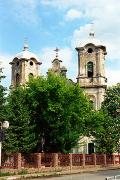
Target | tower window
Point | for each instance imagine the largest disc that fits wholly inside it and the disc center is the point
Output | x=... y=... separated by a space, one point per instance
x=17 y=79
x=90 y=50
x=17 y=63
x=31 y=63
x=90 y=69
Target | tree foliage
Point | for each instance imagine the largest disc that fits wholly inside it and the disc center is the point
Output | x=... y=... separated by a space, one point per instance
x=108 y=131
x=59 y=111
x=2 y=97
x=20 y=135
x=51 y=109
x=112 y=101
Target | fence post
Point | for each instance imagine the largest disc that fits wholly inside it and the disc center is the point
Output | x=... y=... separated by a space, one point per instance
x=55 y=160
x=113 y=159
x=38 y=161
x=17 y=160
x=94 y=159
x=83 y=162
x=70 y=156
x=105 y=162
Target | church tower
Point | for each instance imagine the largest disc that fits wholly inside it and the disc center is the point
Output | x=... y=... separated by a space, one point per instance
x=56 y=65
x=91 y=70
x=24 y=64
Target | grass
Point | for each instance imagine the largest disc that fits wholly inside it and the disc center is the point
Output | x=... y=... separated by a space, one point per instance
x=6 y=174
x=22 y=171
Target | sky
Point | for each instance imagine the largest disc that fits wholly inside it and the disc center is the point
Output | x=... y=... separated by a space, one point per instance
x=47 y=24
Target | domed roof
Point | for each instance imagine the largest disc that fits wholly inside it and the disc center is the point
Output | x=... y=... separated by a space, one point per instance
x=26 y=54
x=91 y=40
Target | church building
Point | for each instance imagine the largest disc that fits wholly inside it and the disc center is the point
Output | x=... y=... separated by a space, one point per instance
x=91 y=75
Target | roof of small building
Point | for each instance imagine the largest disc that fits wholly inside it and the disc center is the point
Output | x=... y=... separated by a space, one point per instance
x=26 y=54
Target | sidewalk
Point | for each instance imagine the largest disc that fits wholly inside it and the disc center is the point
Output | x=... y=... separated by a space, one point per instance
x=58 y=172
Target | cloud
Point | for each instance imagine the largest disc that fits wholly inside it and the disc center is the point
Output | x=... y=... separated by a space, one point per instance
x=4 y=63
x=112 y=65
x=25 y=11
x=62 y=4
x=73 y=14
x=80 y=35
x=113 y=76
x=105 y=16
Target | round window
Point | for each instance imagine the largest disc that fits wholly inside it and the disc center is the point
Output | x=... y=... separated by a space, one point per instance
x=90 y=50
x=31 y=63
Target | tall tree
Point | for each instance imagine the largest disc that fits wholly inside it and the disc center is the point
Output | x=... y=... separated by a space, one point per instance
x=2 y=97
x=20 y=135
x=48 y=114
x=107 y=132
x=59 y=109
x=112 y=100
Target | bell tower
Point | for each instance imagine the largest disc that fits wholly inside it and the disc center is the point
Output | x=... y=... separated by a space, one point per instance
x=24 y=65
x=91 y=70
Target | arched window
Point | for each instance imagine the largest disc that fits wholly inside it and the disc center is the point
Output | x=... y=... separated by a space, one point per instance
x=31 y=74
x=90 y=69
x=31 y=63
x=17 y=79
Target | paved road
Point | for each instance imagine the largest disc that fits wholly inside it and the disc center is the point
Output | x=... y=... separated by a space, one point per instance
x=85 y=176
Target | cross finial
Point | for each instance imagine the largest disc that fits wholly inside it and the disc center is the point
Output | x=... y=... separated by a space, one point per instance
x=57 y=50
x=26 y=47
x=92 y=33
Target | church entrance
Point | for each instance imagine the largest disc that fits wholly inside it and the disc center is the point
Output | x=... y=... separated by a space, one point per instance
x=90 y=148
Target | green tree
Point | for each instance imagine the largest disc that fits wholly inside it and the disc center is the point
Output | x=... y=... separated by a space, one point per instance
x=59 y=109
x=48 y=114
x=2 y=97
x=112 y=100
x=108 y=122
x=20 y=135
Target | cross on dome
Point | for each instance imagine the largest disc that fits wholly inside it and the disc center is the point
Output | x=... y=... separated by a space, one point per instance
x=57 y=50
x=92 y=33
x=26 y=46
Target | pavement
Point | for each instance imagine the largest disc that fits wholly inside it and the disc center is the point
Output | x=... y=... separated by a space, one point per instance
x=57 y=172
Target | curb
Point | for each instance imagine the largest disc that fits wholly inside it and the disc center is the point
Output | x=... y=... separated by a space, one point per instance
x=56 y=173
